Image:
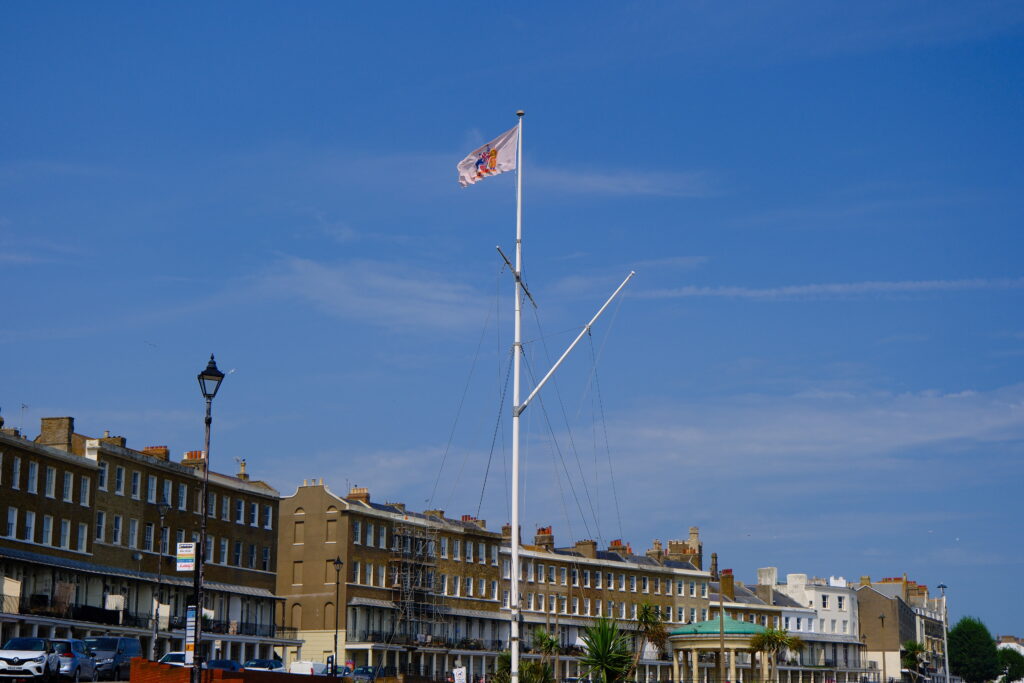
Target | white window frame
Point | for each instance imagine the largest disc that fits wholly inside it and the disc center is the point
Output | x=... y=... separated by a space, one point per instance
x=68 y=487
x=30 y=526
x=51 y=482
x=119 y=480
x=84 y=490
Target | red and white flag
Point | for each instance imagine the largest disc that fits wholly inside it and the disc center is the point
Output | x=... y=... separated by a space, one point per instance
x=497 y=156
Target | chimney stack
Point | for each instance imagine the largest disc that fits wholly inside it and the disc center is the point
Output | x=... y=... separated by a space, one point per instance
x=767 y=576
x=56 y=432
x=158 y=452
x=360 y=493
x=545 y=538
x=587 y=548
x=194 y=459
x=714 y=566
x=727 y=584
x=656 y=552
x=241 y=470
x=470 y=519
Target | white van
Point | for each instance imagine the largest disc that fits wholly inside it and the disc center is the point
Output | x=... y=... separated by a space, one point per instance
x=308 y=668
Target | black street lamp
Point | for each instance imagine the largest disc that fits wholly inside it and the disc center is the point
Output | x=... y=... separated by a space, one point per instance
x=337 y=606
x=209 y=383
x=161 y=508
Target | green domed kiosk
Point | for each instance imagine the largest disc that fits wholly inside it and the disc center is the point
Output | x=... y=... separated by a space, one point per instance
x=689 y=641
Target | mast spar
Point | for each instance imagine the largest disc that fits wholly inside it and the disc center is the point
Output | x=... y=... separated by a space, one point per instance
x=517 y=407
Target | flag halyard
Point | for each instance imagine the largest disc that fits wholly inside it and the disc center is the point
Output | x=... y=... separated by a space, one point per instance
x=494 y=158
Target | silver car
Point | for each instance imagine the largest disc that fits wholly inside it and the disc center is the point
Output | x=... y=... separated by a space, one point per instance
x=76 y=660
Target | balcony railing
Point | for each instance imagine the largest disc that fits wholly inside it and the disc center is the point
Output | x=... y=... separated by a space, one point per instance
x=39 y=605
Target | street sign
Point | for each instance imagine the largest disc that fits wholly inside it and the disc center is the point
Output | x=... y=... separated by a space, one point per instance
x=190 y=633
x=186 y=557
x=459 y=674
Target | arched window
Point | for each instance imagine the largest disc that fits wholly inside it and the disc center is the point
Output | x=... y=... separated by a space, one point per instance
x=297 y=616
x=329 y=616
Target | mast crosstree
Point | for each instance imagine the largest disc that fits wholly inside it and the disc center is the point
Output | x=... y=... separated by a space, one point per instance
x=517 y=406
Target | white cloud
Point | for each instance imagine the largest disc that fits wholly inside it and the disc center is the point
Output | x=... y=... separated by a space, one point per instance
x=836 y=290
x=623 y=183
x=381 y=293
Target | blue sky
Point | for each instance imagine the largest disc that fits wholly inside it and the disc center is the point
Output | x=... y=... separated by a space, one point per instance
x=819 y=362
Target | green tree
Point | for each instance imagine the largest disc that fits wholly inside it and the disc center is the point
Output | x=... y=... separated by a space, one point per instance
x=911 y=658
x=972 y=651
x=1011 y=664
x=530 y=670
x=548 y=647
x=650 y=629
x=607 y=656
x=770 y=643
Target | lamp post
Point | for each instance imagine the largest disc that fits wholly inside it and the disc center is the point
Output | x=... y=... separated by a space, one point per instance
x=337 y=606
x=721 y=632
x=161 y=508
x=885 y=678
x=209 y=382
x=945 y=630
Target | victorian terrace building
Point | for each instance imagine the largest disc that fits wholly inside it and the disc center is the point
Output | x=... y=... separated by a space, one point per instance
x=423 y=593
x=84 y=552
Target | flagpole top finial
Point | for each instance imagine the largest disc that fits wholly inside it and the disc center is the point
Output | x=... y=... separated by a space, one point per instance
x=520 y=113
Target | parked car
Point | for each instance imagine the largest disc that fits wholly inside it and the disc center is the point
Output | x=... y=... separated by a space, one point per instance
x=28 y=658
x=76 y=661
x=367 y=673
x=264 y=665
x=308 y=668
x=114 y=655
x=224 y=664
x=173 y=658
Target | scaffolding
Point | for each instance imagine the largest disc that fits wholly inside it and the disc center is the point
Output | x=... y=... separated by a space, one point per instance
x=422 y=617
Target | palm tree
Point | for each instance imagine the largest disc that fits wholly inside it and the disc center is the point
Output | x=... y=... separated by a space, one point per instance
x=769 y=643
x=607 y=656
x=911 y=658
x=530 y=670
x=548 y=646
x=651 y=629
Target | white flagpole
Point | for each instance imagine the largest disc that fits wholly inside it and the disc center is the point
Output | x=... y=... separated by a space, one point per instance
x=517 y=349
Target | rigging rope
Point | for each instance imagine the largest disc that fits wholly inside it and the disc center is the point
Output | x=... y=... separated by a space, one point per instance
x=494 y=437
x=565 y=418
x=458 y=412
x=558 y=450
